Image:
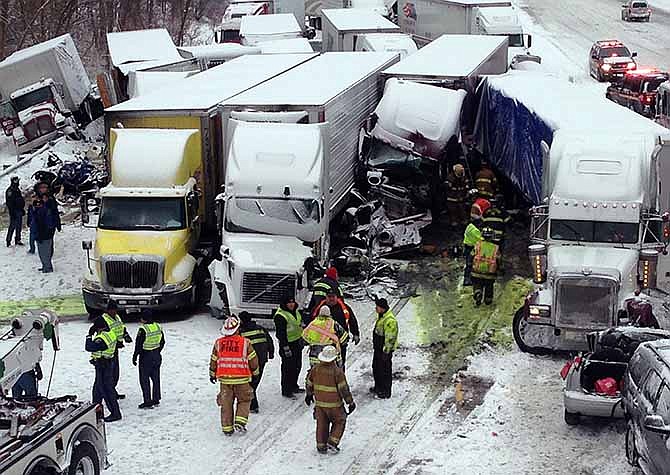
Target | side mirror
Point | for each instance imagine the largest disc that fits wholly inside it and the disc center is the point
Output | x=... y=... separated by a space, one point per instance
x=90 y=209
x=530 y=41
x=655 y=423
x=634 y=55
x=87 y=245
x=225 y=252
x=622 y=318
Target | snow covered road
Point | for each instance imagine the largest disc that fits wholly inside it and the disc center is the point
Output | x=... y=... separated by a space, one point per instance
x=574 y=25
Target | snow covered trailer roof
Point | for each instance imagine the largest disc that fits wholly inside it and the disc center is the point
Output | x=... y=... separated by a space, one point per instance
x=141 y=83
x=57 y=59
x=257 y=28
x=341 y=27
x=515 y=117
x=141 y=45
x=292 y=45
x=339 y=88
x=454 y=57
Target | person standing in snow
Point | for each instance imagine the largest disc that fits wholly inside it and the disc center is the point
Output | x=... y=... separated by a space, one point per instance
x=46 y=223
x=149 y=343
x=101 y=343
x=288 y=330
x=15 y=207
x=232 y=365
x=344 y=315
x=116 y=326
x=327 y=283
x=32 y=224
x=327 y=386
x=263 y=346
x=324 y=331
x=384 y=343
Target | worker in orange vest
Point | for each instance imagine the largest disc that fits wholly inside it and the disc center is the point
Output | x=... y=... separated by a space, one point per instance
x=232 y=365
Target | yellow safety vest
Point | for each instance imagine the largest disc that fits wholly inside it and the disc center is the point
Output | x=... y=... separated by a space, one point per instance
x=485 y=263
x=110 y=340
x=115 y=325
x=293 y=324
x=152 y=336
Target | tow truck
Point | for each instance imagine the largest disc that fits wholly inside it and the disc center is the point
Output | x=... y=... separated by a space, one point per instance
x=41 y=435
x=637 y=90
x=609 y=59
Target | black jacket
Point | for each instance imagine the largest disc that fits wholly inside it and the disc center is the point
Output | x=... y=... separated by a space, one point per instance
x=45 y=221
x=337 y=314
x=260 y=339
x=14 y=201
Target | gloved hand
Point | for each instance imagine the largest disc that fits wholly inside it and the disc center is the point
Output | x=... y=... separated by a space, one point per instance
x=357 y=339
x=119 y=344
x=134 y=360
x=91 y=331
x=285 y=352
x=351 y=408
x=127 y=338
x=309 y=399
x=212 y=379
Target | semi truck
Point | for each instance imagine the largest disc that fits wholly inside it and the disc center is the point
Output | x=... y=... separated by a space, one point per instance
x=46 y=91
x=429 y=19
x=156 y=230
x=40 y=435
x=343 y=27
x=263 y=28
x=599 y=228
x=236 y=10
x=291 y=156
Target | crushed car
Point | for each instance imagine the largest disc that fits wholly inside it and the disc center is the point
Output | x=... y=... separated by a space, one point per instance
x=593 y=380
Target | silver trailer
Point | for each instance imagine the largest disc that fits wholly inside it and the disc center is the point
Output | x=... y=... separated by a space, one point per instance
x=339 y=88
x=343 y=26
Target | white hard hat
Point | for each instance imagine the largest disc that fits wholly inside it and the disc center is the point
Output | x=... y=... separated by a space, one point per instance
x=324 y=311
x=230 y=326
x=328 y=354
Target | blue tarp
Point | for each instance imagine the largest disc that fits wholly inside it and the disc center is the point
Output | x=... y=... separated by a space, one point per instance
x=509 y=135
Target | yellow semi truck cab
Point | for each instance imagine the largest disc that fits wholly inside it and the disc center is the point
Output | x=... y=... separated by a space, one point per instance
x=149 y=222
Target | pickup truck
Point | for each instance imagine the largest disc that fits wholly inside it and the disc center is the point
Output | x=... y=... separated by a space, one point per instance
x=635 y=10
x=637 y=90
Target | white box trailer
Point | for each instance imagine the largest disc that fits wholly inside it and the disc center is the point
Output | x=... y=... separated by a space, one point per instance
x=255 y=29
x=454 y=59
x=343 y=26
x=55 y=59
x=339 y=88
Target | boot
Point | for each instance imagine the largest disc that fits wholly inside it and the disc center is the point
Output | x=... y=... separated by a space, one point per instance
x=332 y=448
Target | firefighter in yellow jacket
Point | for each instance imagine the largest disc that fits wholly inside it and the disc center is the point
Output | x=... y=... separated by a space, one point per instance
x=485 y=264
x=327 y=385
x=232 y=365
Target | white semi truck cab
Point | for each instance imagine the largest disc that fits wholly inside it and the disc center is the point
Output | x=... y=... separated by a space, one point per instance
x=274 y=216
x=503 y=21
x=597 y=237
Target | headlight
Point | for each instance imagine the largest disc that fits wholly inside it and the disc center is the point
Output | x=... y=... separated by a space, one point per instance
x=605 y=67
x=539 y=311
x=91 y=285
x=176 y=287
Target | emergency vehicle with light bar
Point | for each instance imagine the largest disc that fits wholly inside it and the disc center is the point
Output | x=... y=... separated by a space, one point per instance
x=601 y=233
x=610 y=59
x=637 y=90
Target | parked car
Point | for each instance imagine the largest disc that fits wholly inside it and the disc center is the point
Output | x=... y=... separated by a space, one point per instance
x=593 y=379
x=635 y=10
x=609 y=59
x=637 y=90
x=646 y=402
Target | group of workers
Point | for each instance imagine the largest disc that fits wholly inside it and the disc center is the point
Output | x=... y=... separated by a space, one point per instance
x=485 y=232
x=239 y=355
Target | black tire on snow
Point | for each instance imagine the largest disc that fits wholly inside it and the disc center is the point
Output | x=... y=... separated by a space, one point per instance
x=631 y=450
x=571 y=418
x=516 y=323
x=82 y=451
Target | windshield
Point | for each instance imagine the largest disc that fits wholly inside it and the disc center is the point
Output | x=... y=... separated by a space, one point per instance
x=594 y=231
x=515 y=40
x=134 y=214
x=652 y=84
x=639 y=4
x=383 y=155
x=573 y=292
x=618 y=51
x=31 y=99
x=282 y=216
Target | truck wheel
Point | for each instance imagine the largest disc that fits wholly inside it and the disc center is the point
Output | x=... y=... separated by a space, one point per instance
x=631 y=448
x=84 y=460
x=571 y=418
x=519 y=326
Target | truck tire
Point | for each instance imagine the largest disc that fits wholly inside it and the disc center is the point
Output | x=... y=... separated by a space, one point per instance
x=84 y=460
x=632 y=455
x=517 y=328
x=571 y=418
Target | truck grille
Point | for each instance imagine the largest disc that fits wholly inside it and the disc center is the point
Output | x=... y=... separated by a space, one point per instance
x=260 y=288
x=37 y=127
x=132 y=275
x=586 y=303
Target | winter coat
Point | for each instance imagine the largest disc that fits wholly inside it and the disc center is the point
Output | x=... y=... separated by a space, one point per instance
x=46 y=221
x=328 y=384
x=14 y=201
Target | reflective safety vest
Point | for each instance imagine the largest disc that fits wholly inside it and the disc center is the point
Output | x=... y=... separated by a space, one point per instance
x=232 y=357
x=293 y=324
x=386 y=330
x=152 y=336
x=255 y=336
x=322 y=287
x=321 y=331
x=485 y=262
x=472 y=235
x=115 y=325
x=110 y=340
x=344 y=308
